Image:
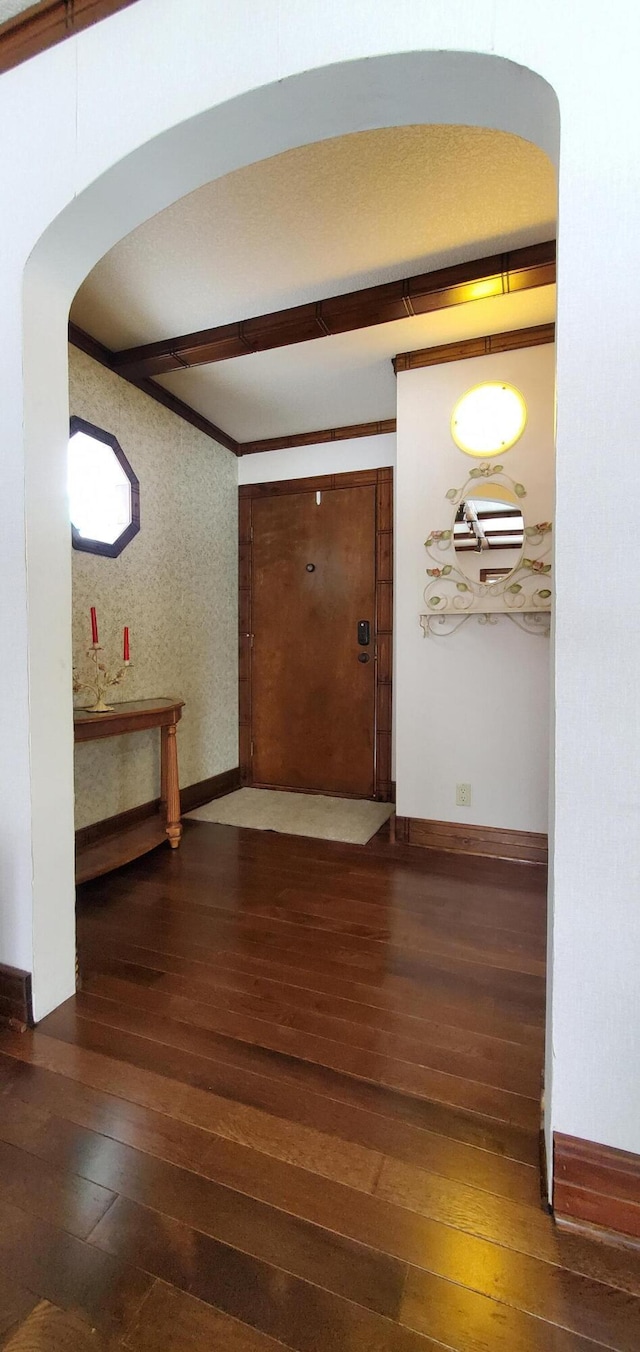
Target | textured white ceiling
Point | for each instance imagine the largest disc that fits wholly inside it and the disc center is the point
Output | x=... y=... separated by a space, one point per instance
x=314 y=222
x=335 y=381
x=10 y=7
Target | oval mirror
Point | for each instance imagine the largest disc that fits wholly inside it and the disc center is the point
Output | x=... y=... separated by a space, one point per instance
x=488 y=534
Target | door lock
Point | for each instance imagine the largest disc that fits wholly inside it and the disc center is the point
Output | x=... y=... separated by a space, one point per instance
x=364 y=633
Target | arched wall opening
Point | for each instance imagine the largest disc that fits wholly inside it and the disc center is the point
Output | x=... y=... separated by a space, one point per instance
x=110 y=155
x=419 y=87
x=103 y=134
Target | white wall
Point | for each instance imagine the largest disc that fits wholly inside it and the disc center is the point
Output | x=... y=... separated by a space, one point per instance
x=473 y=707
x=334 y=457
x=110 y=127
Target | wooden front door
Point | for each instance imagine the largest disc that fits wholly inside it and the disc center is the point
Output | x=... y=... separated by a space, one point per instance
x=313 y=676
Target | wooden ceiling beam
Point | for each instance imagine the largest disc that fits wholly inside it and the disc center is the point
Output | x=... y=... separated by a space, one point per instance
x=534 y=336
x=497 y=275
x=104 y=355
x=328 y=434
x=45 y=24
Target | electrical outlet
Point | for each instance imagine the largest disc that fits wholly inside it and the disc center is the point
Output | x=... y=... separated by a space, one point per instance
x=463 y=795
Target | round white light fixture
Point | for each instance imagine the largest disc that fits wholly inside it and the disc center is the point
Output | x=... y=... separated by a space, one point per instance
x=488 y=419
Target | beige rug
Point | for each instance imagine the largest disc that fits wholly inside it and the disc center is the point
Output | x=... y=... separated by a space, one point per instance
x=298 y=814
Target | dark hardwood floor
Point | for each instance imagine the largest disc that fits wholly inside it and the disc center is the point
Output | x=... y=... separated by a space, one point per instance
x=296 y=1102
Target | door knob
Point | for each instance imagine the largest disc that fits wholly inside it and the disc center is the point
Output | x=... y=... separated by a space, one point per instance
x=363 y=657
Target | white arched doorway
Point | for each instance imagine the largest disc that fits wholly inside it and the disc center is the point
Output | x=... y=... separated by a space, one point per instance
x=415 y=88
x=110 y=127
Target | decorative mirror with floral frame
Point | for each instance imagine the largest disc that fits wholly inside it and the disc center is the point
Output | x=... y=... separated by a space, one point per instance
x=489 y=515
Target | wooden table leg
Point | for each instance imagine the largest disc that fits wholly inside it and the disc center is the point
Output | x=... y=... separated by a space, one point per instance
x=163 y=773
x=169 y=776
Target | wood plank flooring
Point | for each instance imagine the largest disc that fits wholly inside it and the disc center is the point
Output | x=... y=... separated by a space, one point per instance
x=296 y=1103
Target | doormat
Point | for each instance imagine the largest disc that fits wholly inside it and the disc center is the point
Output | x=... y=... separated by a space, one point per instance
x=352 y=820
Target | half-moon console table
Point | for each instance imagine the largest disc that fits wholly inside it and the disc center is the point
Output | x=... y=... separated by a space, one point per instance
x=132 y=835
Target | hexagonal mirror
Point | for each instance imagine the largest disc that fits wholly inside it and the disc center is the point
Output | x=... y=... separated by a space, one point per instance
x=104 y=493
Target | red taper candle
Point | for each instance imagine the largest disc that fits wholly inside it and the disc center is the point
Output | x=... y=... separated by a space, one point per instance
x=126 y=643
x=94 y=627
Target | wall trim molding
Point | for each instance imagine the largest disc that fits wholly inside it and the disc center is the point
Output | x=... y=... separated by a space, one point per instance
x=16 y=1006
x=496 y=274
x=97 y=350
x=509 y=341
x=328 y=434
x=529 y=847
x=46 y=24
x=206 y=789
x=193 y=796
x=596 y=1189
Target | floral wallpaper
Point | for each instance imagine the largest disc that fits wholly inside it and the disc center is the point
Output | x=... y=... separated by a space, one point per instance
x=175 y=585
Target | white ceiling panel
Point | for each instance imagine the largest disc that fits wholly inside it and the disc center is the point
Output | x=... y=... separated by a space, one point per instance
x=340 y=380
x=9 y=8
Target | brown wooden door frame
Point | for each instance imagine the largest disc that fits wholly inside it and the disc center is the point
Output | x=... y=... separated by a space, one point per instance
x=382 y=480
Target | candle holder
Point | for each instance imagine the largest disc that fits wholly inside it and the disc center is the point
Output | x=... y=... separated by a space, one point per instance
x=101 y=681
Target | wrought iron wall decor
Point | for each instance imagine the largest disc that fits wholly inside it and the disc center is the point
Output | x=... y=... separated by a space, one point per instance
x=523 y=595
